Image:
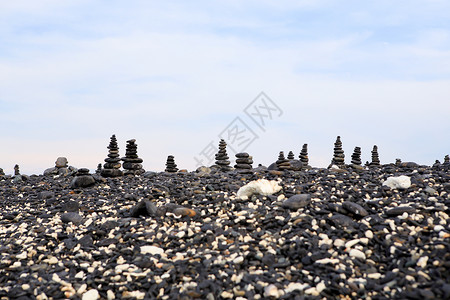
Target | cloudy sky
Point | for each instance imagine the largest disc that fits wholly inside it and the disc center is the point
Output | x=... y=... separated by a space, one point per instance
x=178 y=75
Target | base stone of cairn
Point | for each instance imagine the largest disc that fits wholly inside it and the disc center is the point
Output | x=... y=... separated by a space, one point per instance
x=171 y=167
x=132 y=163
x=112 y=165
x=61 y=168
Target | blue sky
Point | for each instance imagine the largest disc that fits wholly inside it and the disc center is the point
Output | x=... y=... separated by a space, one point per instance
x=173 y=75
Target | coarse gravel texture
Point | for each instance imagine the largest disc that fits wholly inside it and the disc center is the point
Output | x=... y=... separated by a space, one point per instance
x=187 y=236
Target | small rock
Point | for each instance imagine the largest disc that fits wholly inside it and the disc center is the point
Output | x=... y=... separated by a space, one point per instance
x=153 y=250
x=91 y=295
x=297 y=201
x=355 y=209
x=271 y=291
x=400 y=182
x=396 y=211
x=73 y=217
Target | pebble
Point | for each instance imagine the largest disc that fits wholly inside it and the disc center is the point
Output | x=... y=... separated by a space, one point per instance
x=297 y=201
x=153 y=250
x=271 y=291
x=357 y=254
x=91 y=295
x=73 y=217
x=396 y=211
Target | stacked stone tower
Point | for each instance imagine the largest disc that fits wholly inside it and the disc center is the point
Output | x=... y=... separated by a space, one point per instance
x=171 y=167
x=132 y=163
x=222 y=159
x=243 y=162
x=282 y=162
x=304 y=155
x=291 y=155
x=339 y=156
x=112 y=165
x=375 y=157
x=356 y=156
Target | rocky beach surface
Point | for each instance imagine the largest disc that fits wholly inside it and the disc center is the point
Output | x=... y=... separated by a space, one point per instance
x=337 y=233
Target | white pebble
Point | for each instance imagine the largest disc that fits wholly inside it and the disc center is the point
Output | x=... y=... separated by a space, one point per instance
x=110 y=295
x=238 y=260
x=369 y=234
x=151 y=250
x=338 y=243
x=293 y=286
x=422 y=262
x=271 y=291
x=357 y=254
x=438 y=228
x=351 y=243
x=91 y=295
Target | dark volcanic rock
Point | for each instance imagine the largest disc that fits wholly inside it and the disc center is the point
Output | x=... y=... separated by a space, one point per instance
x=73 y=217
x=297 y=201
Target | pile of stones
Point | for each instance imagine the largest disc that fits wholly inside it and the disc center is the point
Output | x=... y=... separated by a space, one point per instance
x=171 y=167
x=243 y=162
x=112 y=165
x=61 y=168
x=132 y=163
x=339 y=156
x=222 y=159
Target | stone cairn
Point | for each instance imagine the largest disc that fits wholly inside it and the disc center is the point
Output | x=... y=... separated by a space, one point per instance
x=222 y=159
x=61 y=168
x=291 y=155
x=375 y=157
x=171 y=167
x=16 y=170
x=243 y=162
x=338 y=158
x=112 y=165
x=132 y=163
x=82 y=179
x=304 y=155
x=356 y=157
x=99 y=169
x=282 y=162
x=2 y=173
x=447 y=159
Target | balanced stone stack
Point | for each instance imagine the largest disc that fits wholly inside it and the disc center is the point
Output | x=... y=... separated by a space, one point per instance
x=243 y=162
x=132 y=163
x=222 y=159
x=82 y=179
x=112 y=165
x=61 y=168
x=447 y=159
x=99 y=169
x=356 y=156
x=2 y=173
x=375 y=157
x=291 y=155
x=304 y=155
x=16 y=170
x=339 y=156
x=171 y=167
x=356 y=159
x=282 y=162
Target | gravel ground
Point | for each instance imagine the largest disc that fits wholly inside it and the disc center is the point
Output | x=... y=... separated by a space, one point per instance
x=328 y=234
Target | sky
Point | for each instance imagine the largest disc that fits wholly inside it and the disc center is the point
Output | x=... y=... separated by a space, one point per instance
x=266 y=75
